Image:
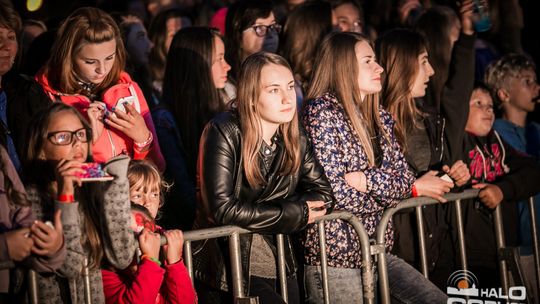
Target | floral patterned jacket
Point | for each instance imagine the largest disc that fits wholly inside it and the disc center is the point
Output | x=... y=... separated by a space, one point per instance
x=339 y=152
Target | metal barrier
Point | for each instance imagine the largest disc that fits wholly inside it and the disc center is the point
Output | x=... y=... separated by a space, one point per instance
x=233 y=233
x=378 y=249
x=417 y=203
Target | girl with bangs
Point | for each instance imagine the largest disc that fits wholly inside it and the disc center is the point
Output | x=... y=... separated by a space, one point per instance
x=257 y=171
x=354 y=141
x=95 y=216
x=86 y=71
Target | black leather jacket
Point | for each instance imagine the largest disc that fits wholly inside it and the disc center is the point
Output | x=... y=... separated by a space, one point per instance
x=227 y=198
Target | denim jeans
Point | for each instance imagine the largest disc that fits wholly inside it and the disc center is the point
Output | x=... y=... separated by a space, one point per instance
x=407 y=285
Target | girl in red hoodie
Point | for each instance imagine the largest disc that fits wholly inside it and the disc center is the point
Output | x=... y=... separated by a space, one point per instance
x=86 y=71
x=149 y=279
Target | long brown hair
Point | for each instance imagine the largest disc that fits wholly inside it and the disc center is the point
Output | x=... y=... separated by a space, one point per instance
x=90 y=195
x=306 y=26
x=84 y=26
x=398 y=52
x=336 y=72
x=249 y=90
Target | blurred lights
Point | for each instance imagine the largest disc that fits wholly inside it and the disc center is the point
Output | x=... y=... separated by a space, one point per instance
x=33 y=5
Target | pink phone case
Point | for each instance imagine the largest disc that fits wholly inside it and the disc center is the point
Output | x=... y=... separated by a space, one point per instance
x=94 y=173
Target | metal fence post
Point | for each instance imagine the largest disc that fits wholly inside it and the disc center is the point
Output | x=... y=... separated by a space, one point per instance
x=32 y=287
x=281 y=267
x=422 y=241
x=236 y=267
x=501 y=244
x=324 y=262
x=86 y=283
x=188 y=257
x=536 y=249
x=461 y=234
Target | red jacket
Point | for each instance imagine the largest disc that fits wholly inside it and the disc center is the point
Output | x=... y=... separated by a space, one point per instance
x=112 y=142
x=150 y=284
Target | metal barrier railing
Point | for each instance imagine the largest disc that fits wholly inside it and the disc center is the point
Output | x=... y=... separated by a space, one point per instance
x=378 y=249
x=417 y=203
x=234 y=246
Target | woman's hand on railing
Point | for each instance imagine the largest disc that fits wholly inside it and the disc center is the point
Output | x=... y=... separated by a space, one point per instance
x=357 y=180
x=431 y=185
x=459 y=172
x=316 y=210
x=490 y=195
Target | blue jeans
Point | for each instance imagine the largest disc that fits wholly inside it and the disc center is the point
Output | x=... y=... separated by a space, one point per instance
x=407 y=285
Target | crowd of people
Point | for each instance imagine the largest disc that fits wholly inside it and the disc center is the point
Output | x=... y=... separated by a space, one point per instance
x=141 y=124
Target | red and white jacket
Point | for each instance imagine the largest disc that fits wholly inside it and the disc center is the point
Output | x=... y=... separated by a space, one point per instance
x=113 y=142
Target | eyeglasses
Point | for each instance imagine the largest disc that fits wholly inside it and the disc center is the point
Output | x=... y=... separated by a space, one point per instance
x=262 y=30
x=64 y=138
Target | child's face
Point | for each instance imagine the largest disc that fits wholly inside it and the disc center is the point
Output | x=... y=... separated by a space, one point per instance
x=95 y=60
x=66 y=138
x=523 y=91
x=481 y=115
x=145 y=196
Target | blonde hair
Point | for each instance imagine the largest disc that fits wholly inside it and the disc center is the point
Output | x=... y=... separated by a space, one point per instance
x=84 y=26
x=336 y=71
x=249 y=90
x=143 y=174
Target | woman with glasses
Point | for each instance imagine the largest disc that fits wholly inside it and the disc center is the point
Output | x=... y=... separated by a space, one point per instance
x=195 y=77
x=250 y=27
x=95 y=215
x=86 y=70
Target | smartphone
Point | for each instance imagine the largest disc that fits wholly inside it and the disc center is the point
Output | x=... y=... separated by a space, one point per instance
x=94 y=173
x=325 y=206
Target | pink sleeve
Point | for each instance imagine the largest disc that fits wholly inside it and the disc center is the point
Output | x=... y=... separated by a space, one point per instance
x=155 y=152
x=178 y=288
x=141 y=288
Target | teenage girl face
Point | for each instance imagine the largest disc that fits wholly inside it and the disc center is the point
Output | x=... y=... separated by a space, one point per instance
x=77 y=150
x=425 y=71
x=138 y=45
x=369 y=71
x=251 y=43
x=277 y=101
x=8 y=49
x=220 y=67
x=146 y=195
x=481 y=115
x=173 y=25
x=94 y=61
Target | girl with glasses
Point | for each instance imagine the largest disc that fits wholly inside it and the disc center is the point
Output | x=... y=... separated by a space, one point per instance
x=86 y=70
x=250 y=27
x=95 y=215
x=257 y=171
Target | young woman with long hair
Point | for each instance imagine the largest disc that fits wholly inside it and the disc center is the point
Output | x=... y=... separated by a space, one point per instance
x=354 y=140
x=194 y=80
x=257 y=171
x=420 y=131
x=95 y=215
x=86 y=70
